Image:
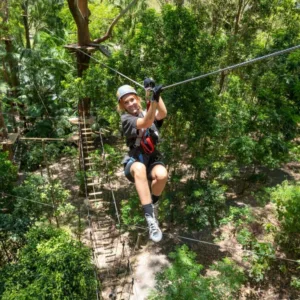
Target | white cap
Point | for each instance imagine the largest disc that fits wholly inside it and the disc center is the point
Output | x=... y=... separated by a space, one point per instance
x=124 y=90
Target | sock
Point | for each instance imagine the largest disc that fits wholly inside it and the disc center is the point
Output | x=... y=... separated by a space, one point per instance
x=154 y=199
x=148 y=209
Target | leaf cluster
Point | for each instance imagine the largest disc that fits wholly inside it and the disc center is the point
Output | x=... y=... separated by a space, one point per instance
x=183 y=280
x=52 y=266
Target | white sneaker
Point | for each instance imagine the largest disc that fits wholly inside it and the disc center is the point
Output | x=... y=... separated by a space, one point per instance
x=155 y=233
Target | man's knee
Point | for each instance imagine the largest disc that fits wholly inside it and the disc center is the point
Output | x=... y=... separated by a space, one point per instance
x=160 y=173
x=138 y=170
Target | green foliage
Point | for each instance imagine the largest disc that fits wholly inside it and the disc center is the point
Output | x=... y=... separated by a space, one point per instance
x=216 y=126
x=33 y=157
x=295 y=152
x=131 y=211
x=287 y=199
x=8 y=173
x=229 y=280
x=261 y=259
x=36 y=191
x=107 y=165
x=182 y=280
x=238 y=216
x=35 y=200
x=260 y=253
x=296 y=281
x=244 y=237
x=203 y=204
x=70 y=151
x=50 y=266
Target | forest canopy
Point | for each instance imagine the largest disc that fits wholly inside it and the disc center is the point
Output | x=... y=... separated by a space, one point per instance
x=230 y=142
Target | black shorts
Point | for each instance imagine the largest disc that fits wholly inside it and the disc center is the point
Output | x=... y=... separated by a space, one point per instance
x=148 y=161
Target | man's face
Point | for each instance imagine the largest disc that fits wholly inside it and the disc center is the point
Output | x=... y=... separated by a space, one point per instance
x=130 y=104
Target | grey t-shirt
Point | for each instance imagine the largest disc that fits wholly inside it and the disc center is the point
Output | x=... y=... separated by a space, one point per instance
x=133 y=134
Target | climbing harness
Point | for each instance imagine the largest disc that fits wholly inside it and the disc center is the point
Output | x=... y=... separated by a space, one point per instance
x=146 y=139
x=147 y=143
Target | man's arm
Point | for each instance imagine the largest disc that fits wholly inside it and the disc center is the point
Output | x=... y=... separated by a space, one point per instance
x=148 y=118
x=161 y=112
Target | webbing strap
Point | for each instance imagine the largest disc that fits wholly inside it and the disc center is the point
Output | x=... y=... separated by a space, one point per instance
x=141 y=158
x=139 y=138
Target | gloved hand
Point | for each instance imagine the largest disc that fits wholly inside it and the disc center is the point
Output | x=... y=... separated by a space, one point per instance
x=156 y=93
x=149 y=83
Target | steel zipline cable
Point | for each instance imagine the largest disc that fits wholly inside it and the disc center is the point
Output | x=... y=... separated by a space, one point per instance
x=242 y=64
x=110 y=68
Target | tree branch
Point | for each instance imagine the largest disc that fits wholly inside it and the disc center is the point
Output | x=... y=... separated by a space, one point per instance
x=115 y=21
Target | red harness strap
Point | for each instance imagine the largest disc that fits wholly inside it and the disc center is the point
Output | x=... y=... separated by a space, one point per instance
x=147 y=142
x=148 y=105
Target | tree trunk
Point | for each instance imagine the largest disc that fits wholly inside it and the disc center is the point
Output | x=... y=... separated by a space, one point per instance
x=222 y=82
x=80 y=12
x=238 y=17
x=13 y=80
x=3 y=129
x=26 y=25
x=10 y=65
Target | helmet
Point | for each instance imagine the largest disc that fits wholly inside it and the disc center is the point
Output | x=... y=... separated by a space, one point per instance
x=124 y=90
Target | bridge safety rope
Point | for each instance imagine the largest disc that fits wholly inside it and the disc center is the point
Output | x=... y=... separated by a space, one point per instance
x=92 y=233
x=117 y=212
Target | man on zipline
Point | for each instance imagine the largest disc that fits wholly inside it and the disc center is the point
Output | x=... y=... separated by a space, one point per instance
x=142 y=163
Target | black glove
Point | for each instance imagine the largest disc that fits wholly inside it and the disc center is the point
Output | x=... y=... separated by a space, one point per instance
x=149 y=83
x=156 y=93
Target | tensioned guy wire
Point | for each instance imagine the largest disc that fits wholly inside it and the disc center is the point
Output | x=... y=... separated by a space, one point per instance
x=221 y=247
x=26 y=199
x=248 y=62
x=236 y=249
